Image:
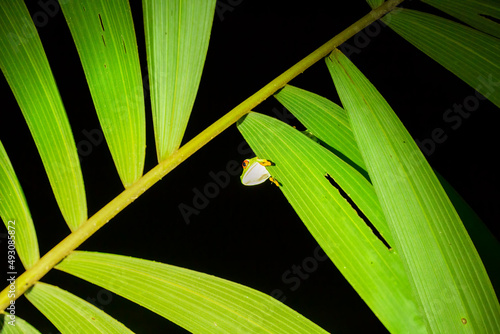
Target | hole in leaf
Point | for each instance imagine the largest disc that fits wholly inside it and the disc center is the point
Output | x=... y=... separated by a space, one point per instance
x=491 y=18
x=100 y=19
x=358 y=211
x=124 y=47
x=345 y=158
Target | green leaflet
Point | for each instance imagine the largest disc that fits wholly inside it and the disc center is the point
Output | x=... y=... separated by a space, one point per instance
x=15 y=213
x=325 y=119
x=300 y=167
x=471 y=55
x=336 y=134
x=198 y=302
x=177 y=35
x=475 y=13
x=104 y=36
x=25 y=66
x=445 y=271
x=21 y=326
x=71 y=314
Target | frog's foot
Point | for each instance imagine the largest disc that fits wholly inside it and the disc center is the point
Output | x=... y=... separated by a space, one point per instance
x=273 y=180
x=265 y=162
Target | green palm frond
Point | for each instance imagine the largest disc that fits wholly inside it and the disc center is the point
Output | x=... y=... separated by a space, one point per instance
x=16 y=215
x=470 y=54
x=24 y=64
x=433 y=243
x=104 y=36
x=21 y=326
x=479 y=14
x=177 y=34
x=375 y=271
x=71 y=314
x=198 y=302
x=355 y=177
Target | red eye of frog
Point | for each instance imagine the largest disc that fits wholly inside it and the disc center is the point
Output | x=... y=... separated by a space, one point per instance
x=245 y=164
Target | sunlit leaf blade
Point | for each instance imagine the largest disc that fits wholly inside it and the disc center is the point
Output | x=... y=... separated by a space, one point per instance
x=476 y=13
x=104 y=35
x=198 y=302
x=447 y=275
x=16 y=215
x=487 y=245
x=325 y=119
x=471 y=55
x=328 y=122
x=71 y=314
x=300 y=166
x=25 y=66
x=177 y=35
x=18 y=327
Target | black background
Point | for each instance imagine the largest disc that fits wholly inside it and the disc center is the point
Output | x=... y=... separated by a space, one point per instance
x=249 y=235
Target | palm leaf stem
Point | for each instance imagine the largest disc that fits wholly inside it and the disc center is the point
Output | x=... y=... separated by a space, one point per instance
x=98 y=220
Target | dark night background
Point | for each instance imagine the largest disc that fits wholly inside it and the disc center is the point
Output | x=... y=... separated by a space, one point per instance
x=249 y=235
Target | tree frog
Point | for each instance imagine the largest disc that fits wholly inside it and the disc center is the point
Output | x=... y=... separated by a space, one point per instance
x=255 y=172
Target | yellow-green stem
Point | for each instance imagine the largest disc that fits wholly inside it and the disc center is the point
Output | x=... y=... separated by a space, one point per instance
x=75 y=239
